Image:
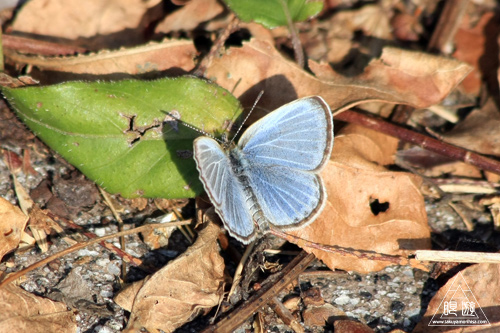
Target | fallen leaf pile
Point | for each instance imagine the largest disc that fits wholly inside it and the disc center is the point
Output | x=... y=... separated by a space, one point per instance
x=178 y=292
x=114 y=92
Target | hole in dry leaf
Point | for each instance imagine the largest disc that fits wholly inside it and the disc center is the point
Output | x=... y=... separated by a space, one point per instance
x=202 y=43
x=378 y=207
x=238 y=37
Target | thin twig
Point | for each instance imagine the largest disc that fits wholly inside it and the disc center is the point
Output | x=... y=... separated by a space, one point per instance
x=285 y=315
x=239 y=269
x=118 y=218
x=447 y=26
x=38 y=47
x=426 y=142
x=271 y=287
x=297 y=45
x=17 y=275
x=126 y=257
x=468 y=224
x=217 y=46
x=457 y=256
x=346 y=252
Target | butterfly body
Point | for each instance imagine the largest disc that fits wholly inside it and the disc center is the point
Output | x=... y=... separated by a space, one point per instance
x=270 y=178
x=240 y=165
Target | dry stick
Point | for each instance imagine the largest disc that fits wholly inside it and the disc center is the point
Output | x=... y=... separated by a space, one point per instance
x=297 y=45
x=187 y=232
x=272 y=286
x=79 y=246
x=111 y=206
x=126 y=257
x=285 y=315
x=38 y=47
x=215 y=50
x=457 y=256
x=421 y=140
x=468 y=224
x=447 y=26
x=393 y=259
x=239 y=269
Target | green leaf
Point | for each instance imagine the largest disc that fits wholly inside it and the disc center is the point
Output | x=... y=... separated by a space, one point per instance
x=119 y=133
x=271 y=13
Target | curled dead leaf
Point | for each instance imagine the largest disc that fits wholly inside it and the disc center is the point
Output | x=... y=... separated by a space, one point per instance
x=479 y=131
x=181 y=290
x=190 y=16
x=398 y=76
x=174 y=55
x=12 y=224
x=373 y=20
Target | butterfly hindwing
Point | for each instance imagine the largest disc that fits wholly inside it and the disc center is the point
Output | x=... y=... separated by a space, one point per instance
x=297 y=135
x=289 y=198
x=223 y=188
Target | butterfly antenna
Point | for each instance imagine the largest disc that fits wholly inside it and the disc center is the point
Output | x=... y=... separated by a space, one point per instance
x=248 y=115
x=194 y=128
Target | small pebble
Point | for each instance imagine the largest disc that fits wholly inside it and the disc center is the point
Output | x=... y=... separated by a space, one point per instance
x=100 y=232
x=113 y=268
x=342 y=300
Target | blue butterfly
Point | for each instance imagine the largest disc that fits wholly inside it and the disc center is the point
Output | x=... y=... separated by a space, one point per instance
x=270 y=178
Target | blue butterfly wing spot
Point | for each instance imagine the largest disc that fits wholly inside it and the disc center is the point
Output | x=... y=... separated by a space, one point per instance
x=223 y=188
x=289 y=198
x=297 y=135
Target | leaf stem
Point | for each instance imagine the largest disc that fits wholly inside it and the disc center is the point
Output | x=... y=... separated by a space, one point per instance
x=297 y=45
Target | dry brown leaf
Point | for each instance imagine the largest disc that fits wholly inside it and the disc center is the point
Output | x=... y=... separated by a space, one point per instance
x=182 y=289
x=492 y=177
x=356 y=183
x=12 y=224
x=321 y=314
x=25 y=312
x=190 y=16
x=40 y=223
x=348 y=326
x=373 y=20
x=126 y=296
x=457 y=169
x=481 y=281
x=176 y=55
x=398 y=76
x=470 y=44
x=406 y=26
x=372 y=145
x=107 y=24
x=479 y=131
x=157 y=238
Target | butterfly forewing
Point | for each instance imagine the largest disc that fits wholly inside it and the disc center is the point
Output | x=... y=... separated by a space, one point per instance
x=297 y=135
x=223 y=188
